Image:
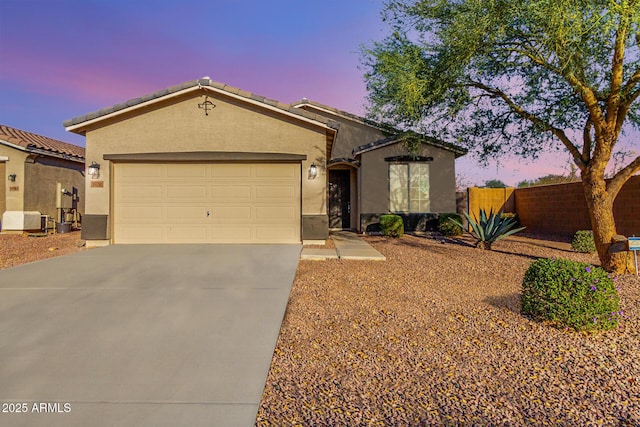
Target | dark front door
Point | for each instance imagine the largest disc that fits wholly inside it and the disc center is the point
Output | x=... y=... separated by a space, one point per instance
x=339 y=199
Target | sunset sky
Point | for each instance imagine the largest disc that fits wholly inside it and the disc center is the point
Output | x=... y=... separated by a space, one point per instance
x=64 y=58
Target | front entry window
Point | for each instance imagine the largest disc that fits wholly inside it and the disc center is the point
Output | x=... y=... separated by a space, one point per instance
x=409 y=187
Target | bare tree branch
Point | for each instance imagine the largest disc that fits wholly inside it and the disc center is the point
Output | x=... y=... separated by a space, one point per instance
x=615 y=184
x=559 y=133
x=617 y=69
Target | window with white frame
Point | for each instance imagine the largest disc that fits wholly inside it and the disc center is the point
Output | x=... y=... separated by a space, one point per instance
x=409 y=187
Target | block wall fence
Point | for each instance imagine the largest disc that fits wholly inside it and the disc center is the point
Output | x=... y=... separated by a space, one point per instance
x=558 y=209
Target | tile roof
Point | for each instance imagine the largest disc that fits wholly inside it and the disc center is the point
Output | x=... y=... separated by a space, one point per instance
x=395 y=135
x=32 y=142
x=458 y=151
x=345 y=114
x=204 y=84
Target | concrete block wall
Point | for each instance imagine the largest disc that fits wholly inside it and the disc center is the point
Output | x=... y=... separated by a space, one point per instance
x=553 y=209
x=559 y=209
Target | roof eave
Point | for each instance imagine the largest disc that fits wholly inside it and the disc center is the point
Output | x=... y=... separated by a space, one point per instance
x=457 y=152
x=81 y=126
x=33 y=150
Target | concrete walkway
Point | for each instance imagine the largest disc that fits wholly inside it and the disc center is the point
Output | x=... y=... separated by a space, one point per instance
x=349 y=245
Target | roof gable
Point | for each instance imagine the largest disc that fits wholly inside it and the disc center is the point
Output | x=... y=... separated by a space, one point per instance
x=395 y=135
x=205 y=84
x=34 y=143
x=395 y=139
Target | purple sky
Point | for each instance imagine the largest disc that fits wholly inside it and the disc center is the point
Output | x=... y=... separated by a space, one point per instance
x=64 y=58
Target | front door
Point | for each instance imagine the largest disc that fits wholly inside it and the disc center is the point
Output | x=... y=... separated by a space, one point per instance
x=339 y=199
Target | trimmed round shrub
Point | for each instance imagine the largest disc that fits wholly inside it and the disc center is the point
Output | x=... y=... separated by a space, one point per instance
x=583 y=242
x=448 y=227
x=392 y=225
x=570 y=293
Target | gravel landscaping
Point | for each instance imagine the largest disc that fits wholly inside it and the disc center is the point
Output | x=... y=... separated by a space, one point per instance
x=434 y=336
x=16 y=249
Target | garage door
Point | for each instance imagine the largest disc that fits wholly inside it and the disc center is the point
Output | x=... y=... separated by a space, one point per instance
x=206 y=203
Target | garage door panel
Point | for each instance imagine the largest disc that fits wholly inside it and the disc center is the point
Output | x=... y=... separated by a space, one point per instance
x=275 y=171
x=177 y=214
x=239 y=213
x=232 y=234
x=135 y=214
x=186 y=234
x=274 y=192
x=230 y=192
x=139 y=234
x=284 y=214
x=168 y=203
x=186 y=192
x=275 y=234
x=231 y=170
x=141 y=171
x=141 y=192
x=189 y=170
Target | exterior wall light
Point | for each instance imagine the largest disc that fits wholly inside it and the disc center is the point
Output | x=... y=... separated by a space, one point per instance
x=313 y=171
x=12 y=177
x=94 y=170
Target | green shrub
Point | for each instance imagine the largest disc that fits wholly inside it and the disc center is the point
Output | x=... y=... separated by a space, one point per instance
x=583 y=241
x=570 y=293
x=448 y=227
x=392 y=225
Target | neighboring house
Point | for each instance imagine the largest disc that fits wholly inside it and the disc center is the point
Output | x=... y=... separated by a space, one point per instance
x=34 y=168
x=206 y=162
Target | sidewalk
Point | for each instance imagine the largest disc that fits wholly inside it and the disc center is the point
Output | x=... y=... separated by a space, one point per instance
x=349 y=245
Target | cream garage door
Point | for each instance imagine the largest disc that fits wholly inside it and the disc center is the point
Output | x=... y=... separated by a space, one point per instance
x=206 y=203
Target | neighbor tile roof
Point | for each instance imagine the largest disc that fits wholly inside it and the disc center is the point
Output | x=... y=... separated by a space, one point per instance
x=204 y=82
x=32 y=142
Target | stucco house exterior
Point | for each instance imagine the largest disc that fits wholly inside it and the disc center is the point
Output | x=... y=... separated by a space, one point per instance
x=206 y=162
x=34 y=168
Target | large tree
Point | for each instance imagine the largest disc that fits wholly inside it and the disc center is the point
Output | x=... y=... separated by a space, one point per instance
x=519 y=76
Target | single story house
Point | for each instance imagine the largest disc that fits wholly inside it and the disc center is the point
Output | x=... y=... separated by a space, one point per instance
x=206 y=162
x=35 y=169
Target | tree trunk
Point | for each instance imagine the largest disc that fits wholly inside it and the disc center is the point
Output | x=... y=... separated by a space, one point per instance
x=600 y=204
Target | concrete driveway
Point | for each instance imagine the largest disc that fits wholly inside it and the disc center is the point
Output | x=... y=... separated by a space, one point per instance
x=142 y=335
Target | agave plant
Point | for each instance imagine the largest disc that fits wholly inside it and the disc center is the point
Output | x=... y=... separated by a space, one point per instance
x=490 y=228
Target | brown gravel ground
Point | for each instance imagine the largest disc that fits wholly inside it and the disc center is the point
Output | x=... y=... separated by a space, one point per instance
x=434 y=336
x=16 y=249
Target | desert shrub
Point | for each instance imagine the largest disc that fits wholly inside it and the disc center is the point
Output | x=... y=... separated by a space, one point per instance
x=448 y=227
x=512 y=216
x=570 y=293
x=392 y=225
x=583 y=241
x=490 y=228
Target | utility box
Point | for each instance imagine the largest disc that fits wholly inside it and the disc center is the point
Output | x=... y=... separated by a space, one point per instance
x=21 y=221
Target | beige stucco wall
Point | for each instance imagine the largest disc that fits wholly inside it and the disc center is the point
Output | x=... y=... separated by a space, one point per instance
x=3 y=188
x=351 y=134
x=14 y=199
x=41 y=177
x=374 y=173
x=178 y=125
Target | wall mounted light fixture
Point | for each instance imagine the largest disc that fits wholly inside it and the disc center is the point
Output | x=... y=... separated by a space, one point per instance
x=94 y=170
x=313 y=171
x=12 y=177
